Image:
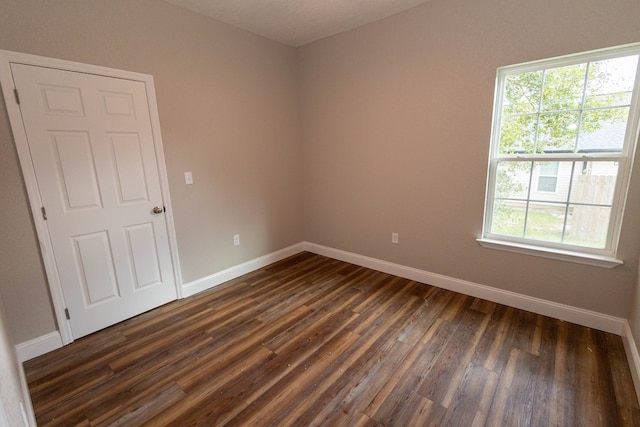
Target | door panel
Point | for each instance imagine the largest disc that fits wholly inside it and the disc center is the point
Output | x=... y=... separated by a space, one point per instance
x=93 y=152
x=144 y=258
x=61 y=100
x=75 y=170
x=127 y=155
x=95 y=268
x=118 y=105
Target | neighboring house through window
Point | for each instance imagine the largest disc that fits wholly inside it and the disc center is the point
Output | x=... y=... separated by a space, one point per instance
x=562 y=146
x=548 y=177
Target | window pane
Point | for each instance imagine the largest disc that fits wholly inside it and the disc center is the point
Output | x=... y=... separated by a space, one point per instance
x=508 y=218
x=522 y=93
x=563 y=88
x=512 y=180
x=553 y=179
x=603 y=130
x=594 y=183
x=518 y=133
x=557 y=132
x=610 y=82
x=545 y=221
x=587 y=226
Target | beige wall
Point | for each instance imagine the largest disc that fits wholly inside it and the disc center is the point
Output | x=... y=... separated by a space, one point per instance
x=228 y=105
x=396 y=120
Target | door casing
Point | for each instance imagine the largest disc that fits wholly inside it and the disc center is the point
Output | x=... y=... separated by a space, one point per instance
x=28 y=172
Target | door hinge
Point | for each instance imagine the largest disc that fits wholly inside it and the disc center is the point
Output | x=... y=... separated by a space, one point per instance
x=66 y=313
x=44 y=213
x=15 y=93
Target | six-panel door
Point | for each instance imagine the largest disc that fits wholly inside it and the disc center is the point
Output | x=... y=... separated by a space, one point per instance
x=92 y=147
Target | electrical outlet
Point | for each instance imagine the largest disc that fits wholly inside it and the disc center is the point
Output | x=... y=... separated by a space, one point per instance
x=395 y=238
x=236 y=239
x=188 y=178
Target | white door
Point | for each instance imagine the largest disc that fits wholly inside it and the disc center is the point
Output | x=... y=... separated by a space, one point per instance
x=92 y=148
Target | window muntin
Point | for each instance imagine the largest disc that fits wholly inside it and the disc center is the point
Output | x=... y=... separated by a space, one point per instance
x=563 y=133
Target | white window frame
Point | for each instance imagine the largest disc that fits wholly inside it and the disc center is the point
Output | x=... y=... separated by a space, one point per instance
x=606 y=257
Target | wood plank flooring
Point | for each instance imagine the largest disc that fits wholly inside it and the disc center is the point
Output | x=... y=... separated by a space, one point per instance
x=314 y=341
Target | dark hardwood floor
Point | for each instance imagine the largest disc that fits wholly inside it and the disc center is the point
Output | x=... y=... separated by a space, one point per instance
x=315 y=341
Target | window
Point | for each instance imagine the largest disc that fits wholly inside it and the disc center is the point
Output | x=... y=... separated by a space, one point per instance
x=548 y=177
x=562 y=146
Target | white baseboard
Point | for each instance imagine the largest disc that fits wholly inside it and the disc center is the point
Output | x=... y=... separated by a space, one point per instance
x=208 y=282
x=631 y=349
x=556 y=310
x=38 y=346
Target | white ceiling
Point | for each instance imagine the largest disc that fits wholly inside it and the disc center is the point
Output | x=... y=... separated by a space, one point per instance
x=297 y=22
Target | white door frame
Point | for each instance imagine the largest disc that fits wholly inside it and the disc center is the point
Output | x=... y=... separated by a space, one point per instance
x=28 y=171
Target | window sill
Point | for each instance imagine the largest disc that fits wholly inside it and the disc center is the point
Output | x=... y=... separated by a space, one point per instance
x=558 y=254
